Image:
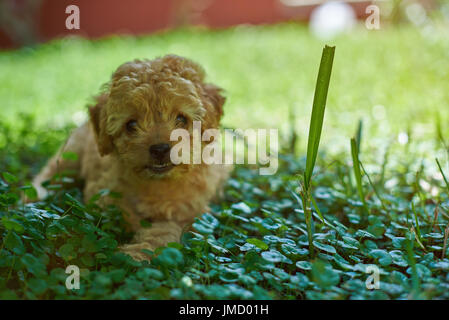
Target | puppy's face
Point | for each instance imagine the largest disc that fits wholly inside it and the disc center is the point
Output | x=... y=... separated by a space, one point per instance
x=145 y=102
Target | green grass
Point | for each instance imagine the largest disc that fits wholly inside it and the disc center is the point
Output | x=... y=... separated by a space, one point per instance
x=254 y=243
x=262 y=69
x=316 y=126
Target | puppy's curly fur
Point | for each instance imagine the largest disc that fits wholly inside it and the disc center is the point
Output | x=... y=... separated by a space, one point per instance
x=144 y=101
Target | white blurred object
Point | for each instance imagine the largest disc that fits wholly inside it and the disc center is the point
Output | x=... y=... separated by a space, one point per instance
x=331 y=19
x=79 y=118
x=402 y=138
x=416 y=14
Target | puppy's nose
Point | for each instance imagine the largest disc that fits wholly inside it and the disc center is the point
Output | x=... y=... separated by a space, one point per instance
x=159 y=151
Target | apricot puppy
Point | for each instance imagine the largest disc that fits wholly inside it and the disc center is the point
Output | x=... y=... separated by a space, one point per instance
x=125 y=147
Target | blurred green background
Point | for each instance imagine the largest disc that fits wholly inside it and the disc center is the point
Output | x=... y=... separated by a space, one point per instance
x=391 y=78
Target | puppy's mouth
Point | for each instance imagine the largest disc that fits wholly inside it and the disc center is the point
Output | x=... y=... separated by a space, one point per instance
x=160 y=168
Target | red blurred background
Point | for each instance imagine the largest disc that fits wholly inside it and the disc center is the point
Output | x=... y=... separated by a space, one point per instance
x=26 y=22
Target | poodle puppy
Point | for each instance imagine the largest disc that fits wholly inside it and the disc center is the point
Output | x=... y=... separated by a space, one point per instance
x=125 y=147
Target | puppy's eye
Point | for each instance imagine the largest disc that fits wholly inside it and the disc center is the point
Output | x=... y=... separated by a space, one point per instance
x=181 y=119
x=131 y=126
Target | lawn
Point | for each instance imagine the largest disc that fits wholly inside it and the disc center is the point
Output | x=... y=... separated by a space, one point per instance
x=393 y=78
x=254 y=244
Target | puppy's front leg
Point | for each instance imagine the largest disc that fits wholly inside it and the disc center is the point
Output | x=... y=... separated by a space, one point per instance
x=58 y=164
x=159 y=234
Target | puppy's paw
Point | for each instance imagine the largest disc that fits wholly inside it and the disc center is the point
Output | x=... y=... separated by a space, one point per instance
x=135 y=250
x=158 y=235
x=42 y=193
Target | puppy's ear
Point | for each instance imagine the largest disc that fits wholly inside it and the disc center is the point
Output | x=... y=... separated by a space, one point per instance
x=98 y=120
x=214 y=95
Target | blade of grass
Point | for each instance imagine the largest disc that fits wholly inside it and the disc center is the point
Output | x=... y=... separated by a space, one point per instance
x=384 y=207
x=319 y=105
x=440 y=135
x=317 y=209
x=418 y=231
x=412 y=230
x=358 y=137
x=358 y=174
x=442 y=173
x=412 y=263
x=316 y=126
